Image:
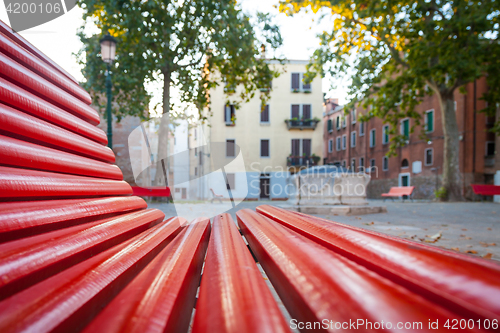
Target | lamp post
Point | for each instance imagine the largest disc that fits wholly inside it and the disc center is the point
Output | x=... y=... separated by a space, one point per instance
x=108 y=48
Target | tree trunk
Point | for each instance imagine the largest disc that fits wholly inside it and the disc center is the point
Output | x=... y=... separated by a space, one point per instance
x=452 y=179
x=162 y=165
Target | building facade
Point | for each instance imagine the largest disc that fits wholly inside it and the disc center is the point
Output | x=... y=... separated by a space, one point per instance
x=364 y=146
x=272 y=143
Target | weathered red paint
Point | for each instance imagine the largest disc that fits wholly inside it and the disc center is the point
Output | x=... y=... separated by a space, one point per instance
x=21 y=99
x=468 y=286
x=28 y=218
x=317 y=284
x=23 y=183
x=28 y=261
x=21 y=124
x=161 y=298
x=14 y=152
x=22 y=76
x=22 y=56
x=233 y=294
x=68 y=301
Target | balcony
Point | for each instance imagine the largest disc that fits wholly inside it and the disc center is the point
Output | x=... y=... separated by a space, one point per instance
x=302 y=124
x=299 y=161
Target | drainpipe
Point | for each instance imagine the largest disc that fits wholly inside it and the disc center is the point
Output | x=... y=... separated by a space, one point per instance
x=474 y=137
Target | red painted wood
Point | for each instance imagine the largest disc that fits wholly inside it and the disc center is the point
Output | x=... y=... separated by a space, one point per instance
x=233 y=294
x=27 y=102
x=24 y=263
x=14 y=152
x=25 y=58
x=68 y=301
x=6 y=30
x=16 y=123
x=486 y=189
x=14 y=72
x=468 y=286
x=161 y=298
x=22 y=219
x=317 y=284
x=22 y=183
x=156 y=191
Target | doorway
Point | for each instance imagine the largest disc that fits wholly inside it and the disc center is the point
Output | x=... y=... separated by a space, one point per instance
x=265 y=183
x=404 y=180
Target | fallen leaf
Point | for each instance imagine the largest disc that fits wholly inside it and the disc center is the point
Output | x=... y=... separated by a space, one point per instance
x=493 y=212
x=469 y=245
x=464 y=229
x=444 y=225
x=483 y=244
x=489 y=229
x=467 y=238
x=436 y=236
x=487 y=256
x=492 y=244
x=413 y=237
x=455 y=249
x=471 y=251
x=462 y=235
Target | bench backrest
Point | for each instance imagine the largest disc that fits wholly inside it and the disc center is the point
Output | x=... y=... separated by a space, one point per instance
x=486 y=189
x=403 y=190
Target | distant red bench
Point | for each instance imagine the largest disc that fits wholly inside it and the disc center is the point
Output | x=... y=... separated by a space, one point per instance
x=399 y=192
x=154 y=191
x=486 y=189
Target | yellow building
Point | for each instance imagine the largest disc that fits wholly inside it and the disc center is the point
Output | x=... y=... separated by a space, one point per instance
x=287 y=135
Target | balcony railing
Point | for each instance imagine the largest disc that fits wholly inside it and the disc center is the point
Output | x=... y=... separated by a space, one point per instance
x=300 y=161
x=301 y=124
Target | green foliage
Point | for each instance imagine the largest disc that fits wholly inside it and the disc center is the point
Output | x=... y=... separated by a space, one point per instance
x=441 y=193
x=179 y=43
x=399 y=51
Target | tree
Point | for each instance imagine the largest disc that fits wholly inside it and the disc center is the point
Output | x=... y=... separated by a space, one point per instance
x=400 y=51
x=178 y=43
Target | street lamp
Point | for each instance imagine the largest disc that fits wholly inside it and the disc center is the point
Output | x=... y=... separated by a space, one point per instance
x=108 y=48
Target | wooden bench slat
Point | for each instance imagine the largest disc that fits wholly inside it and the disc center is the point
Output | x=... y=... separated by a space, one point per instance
x=316 y=284
x=426 y=270
x=25 y=58
x=25 y=78
x=27 y=102
x=232 y=284
x=23 y=183
x=14 y=152
x=68 y=301
x=42 y=132
x=24 y=263
x=24 y=219
x=161 y=297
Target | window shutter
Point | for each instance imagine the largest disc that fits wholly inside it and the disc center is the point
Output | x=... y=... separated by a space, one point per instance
x=306 y=147
x=329 y=125
x=295 y=81
x=305 y=86
x=295 y=110
x=264 y=115
x=430 y=121
x=226 y=112
x=306 y=111
x=264 y=148
x=295 y=147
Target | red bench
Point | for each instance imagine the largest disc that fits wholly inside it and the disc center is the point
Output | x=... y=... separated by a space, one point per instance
x=488 y=190
x=399 y=192
x=78 y=252
x=153 y=191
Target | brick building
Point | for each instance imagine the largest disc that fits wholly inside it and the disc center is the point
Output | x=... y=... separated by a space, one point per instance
x=363 y=146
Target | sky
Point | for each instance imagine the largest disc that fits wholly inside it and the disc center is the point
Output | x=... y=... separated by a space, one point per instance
x=58 y=39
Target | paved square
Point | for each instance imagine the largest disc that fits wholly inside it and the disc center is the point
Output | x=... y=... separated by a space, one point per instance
x=468 y=227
